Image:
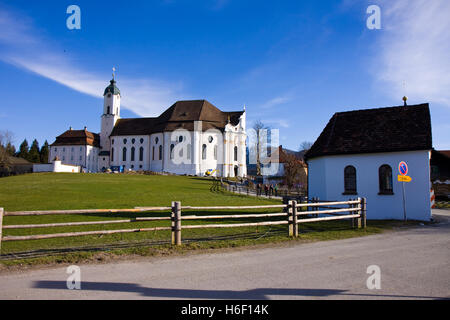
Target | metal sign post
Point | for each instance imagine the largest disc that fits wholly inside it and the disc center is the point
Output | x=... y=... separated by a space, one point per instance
x=403 y=170
x=404 y=201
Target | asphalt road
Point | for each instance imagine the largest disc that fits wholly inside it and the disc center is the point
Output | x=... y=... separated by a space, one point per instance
x=414 y=264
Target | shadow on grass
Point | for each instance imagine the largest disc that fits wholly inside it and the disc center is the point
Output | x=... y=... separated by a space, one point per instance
x=140 y=244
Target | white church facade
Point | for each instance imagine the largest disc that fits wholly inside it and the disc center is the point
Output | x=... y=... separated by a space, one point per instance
x=191 y=137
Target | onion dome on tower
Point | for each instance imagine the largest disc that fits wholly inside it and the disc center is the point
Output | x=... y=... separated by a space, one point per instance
x=112 y=88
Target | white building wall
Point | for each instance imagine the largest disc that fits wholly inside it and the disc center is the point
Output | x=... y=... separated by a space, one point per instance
x=91 y=159
x=84 y=156
x=326 y=181
x=213 y=140
x=56 y=166
x=118 y=143
x=156 y=140
x=181 y=160
x=234 y=136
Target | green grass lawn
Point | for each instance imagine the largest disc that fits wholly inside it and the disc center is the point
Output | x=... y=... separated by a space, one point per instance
x=48 y=191
x=51 y=191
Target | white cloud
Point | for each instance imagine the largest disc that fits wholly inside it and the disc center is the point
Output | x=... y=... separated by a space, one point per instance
x=414 y=48
x=275 y=102
x=23 y=49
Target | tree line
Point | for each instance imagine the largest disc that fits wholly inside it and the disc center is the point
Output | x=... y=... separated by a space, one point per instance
x=33 y=153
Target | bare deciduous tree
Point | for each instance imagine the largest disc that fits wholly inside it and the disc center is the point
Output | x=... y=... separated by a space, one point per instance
x=305 y=145
x=294 y=171
x=258 y=143
x=5 y=140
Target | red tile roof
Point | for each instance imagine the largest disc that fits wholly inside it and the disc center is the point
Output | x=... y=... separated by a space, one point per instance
x=181 y=115
x=77 y=137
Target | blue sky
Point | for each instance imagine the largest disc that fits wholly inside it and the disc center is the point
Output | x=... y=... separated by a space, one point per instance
x=293 y=64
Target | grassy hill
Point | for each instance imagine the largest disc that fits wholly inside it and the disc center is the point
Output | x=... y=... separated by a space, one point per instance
x=52 y=191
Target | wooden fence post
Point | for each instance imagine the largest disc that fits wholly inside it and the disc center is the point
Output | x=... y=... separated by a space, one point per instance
x=315 y=208
x=172 y=219
x=316 y=200
x=177 y=223
x=290 y=218
x=352 y=221
x=1 y=228
x=294 y=218
x=359 y=220
x=364 y=212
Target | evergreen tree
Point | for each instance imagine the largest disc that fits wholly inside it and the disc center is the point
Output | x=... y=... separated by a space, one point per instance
x=34 y=155
x=23 y=150
x=44 y=152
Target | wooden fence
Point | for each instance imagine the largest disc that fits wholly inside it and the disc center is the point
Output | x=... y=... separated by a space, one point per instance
x=294 y=212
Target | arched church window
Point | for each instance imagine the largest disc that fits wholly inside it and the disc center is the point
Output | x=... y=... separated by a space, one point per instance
x=133 y=141
x=108 y=110
x=124 y=141
x=156 y=141
x=112 y=154
x=124 y=154
x=142 y=140
x=180 y=139
x=141 y=154
x=235 y=153
x=160 y=152
x=210 y=139
x=215 y=152
x=109 y=95
x=385 y=179
x=112 y=141
x=350 y=180
x=132 y=153
x=204 y=152
x=172 y=146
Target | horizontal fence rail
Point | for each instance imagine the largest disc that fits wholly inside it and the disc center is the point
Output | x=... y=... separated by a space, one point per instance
x=84 y=211
x=293 y=212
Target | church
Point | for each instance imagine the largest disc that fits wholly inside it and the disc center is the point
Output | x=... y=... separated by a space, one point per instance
x=191 y=137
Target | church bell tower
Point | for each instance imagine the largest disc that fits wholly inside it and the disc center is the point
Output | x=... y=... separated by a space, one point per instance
x=111 y=113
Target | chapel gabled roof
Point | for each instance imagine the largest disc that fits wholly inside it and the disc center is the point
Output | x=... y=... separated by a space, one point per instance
x=403 y=128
